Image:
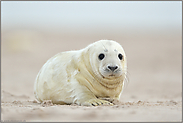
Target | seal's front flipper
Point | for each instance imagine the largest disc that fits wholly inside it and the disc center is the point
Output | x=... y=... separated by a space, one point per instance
x=96 y=102
x=83 y=96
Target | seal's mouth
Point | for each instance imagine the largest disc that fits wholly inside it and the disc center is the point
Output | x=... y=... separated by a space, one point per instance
x=105 y=73
x=111 y=75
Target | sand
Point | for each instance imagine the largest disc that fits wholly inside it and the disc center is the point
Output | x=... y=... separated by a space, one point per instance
x=153 y=93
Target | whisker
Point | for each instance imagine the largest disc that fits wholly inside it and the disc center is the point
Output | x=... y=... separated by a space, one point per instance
x=126 y=80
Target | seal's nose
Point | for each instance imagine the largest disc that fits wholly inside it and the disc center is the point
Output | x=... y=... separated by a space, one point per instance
x=113 y=68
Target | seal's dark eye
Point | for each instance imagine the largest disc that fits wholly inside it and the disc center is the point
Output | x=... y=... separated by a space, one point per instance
x=120 y=56
x=101 y=56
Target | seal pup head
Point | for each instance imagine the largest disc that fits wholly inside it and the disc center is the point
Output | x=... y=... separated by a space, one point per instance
x=107 y=59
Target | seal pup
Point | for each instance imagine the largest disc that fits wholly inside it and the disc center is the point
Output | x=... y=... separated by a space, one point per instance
x=90 y=76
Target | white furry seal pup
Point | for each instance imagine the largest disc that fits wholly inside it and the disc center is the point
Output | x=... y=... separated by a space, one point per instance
x=84 y=77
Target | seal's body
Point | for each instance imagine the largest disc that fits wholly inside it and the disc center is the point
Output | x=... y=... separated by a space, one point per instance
x=83 y=77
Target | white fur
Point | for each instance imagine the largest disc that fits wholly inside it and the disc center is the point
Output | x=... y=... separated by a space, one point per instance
x=81 y=77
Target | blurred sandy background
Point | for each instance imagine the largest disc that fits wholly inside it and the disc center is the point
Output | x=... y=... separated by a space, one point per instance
x=150 y=33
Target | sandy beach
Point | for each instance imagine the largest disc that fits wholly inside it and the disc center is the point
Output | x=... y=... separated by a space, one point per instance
x=153 y=93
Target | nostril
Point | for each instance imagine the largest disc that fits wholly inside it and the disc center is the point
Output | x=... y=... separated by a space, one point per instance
x=109 y=67
x=112 y=68
x=116 y=68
